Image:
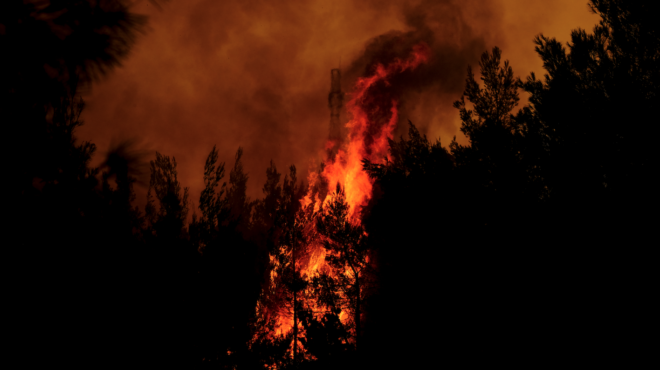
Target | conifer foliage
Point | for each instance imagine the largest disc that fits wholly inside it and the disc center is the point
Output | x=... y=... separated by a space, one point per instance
x=529 y=244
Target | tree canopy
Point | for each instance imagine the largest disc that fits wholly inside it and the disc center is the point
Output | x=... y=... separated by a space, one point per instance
x=528 y=245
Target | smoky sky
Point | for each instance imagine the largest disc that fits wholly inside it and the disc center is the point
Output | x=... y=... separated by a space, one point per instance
x=256 y=73
x=455 y=39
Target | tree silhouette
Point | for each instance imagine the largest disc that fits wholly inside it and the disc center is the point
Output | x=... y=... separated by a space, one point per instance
x=591 y=105
x=284 y=221
x=169 y=217
x=123 y=164
x=347 y=255
x=557 y=186
x=592 y=108
x=417 y=229
x=290 y=250
x=69 y=237
x=211 y=201
x=531 y=240
x=229 y=266
x=500 y=165
x=327 y=339
x=51 y=49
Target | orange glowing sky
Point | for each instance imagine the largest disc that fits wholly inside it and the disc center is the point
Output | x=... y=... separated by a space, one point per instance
x=256 y=73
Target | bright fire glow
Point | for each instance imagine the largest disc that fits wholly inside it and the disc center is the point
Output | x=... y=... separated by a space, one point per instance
x=367 y=138
x=346 y=167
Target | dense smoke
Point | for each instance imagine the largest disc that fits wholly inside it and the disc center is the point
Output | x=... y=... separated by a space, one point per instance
x=455 y=37
x=256 y=74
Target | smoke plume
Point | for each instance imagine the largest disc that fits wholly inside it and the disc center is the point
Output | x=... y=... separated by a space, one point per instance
x=256 y=73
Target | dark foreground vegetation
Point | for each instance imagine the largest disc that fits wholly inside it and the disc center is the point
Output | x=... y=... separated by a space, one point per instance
x=532 y=245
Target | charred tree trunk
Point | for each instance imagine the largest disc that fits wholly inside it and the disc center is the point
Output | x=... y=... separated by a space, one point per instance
x=295 y=328
x=357 y=310
x=295 y=303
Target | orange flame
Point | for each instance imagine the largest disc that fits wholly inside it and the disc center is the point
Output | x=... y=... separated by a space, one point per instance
x=369 y=128
x=365 y=140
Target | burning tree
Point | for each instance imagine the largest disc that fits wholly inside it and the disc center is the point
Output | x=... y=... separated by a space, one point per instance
x=283 y=226
x=342 y=286
x=289 y=280
x=293 y=282
x=319 y=269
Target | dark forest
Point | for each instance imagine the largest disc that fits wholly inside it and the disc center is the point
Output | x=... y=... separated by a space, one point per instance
x=528 y=246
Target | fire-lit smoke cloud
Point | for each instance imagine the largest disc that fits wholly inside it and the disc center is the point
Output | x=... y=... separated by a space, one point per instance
x=455 y=33
x=373 y=117
x=256 y=73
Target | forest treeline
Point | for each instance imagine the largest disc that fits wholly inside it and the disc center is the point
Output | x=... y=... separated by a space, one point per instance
x=530 y=245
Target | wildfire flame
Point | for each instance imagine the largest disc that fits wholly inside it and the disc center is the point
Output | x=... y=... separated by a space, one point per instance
x=366 y=139
x=370 y=126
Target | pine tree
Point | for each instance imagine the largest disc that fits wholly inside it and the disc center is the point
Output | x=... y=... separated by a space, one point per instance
x=347 y=256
